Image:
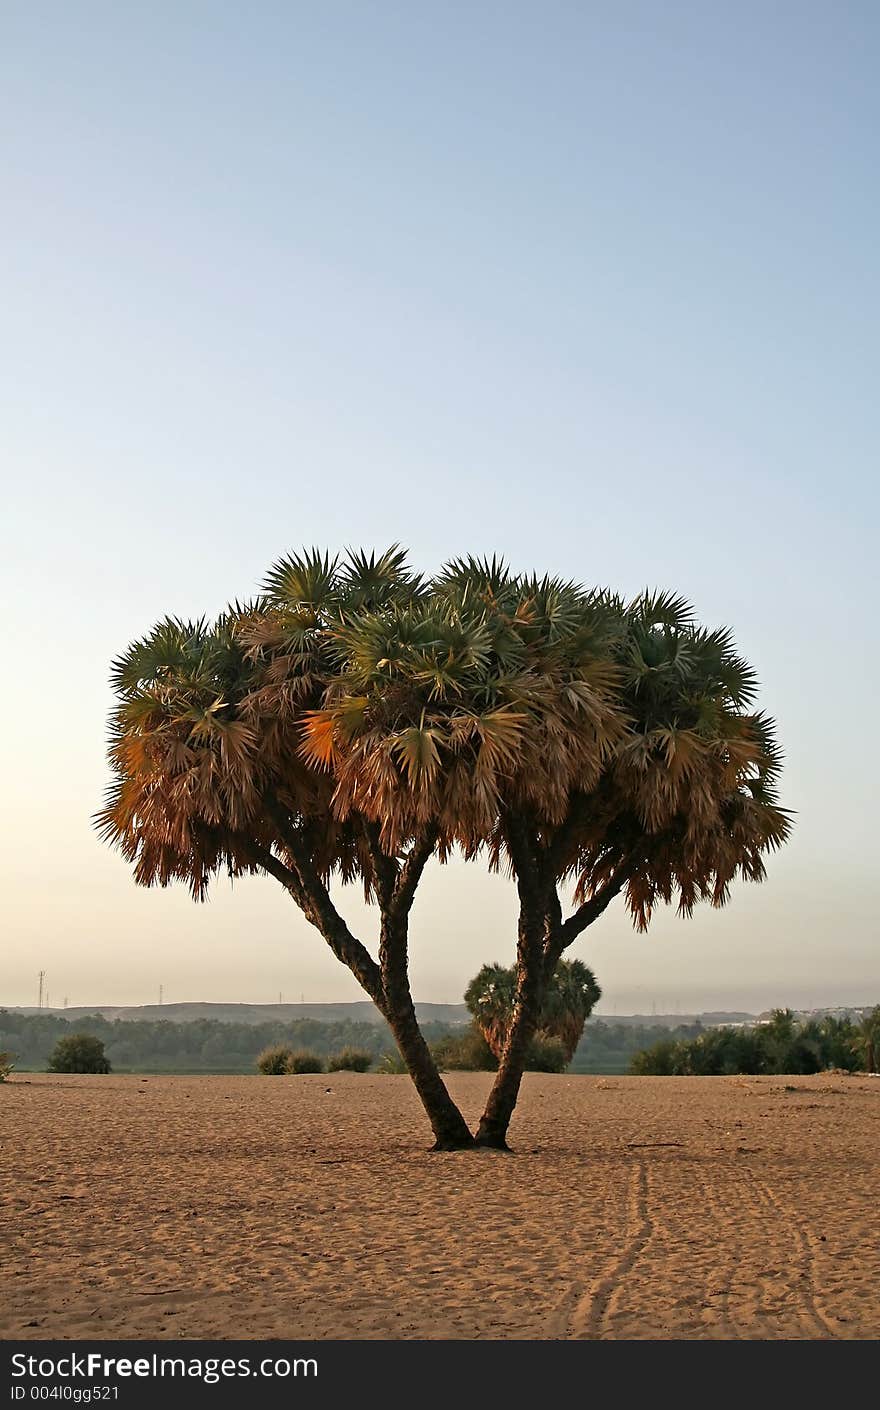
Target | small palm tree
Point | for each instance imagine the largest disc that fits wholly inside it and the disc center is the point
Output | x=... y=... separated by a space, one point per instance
x=569 y=999
x=490 y=998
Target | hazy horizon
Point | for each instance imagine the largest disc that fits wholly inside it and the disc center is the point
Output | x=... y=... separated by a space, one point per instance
x=592 y=289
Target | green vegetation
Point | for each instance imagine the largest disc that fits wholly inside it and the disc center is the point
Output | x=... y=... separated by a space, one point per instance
x=274 y=1061
x=302 y=1062
x=867 y=1040
x=357 y=719
x=464 y=1051
x=607 y=1048
x=779 y=1047
x=350 y=1060
x=204 y=1045
x=281 y=1061
x=546 y=1054
x=81 y=1052
x=568 y=1000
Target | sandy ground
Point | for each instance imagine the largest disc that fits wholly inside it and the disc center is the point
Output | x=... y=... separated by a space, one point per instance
x=308 y=1207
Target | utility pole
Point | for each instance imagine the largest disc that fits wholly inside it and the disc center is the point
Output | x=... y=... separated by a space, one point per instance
x=42 y=979
x=160 y=994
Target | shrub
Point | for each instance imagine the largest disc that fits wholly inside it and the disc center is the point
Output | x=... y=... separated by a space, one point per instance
x=660 y=1060
x=391 y=1063
x=305 y=1062
x=81 y=1052
x=7 y=1062
x=464 y=1052
x=547 y=1053
x=275 y=1061
x=350 y=1060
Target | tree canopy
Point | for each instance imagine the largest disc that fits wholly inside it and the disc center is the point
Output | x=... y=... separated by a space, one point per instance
x=81 y=1052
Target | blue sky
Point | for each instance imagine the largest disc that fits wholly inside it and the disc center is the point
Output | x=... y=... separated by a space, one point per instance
x=592 y=286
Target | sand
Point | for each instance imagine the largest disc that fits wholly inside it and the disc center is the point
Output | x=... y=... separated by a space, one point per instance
x=308 y=1207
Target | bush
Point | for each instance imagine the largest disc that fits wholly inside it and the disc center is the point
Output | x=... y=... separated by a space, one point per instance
x=81 y=1052
x=350 y=1060
x=660 y=1060
x=547 y=1053
x=7 y=1062
x=305 y=1062
x=275 y=1061
x=392 y=1064
x=464 y=1052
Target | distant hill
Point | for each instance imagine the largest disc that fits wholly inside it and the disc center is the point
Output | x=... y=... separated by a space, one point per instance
x=673 y=1020
x=450 y=1014
x=366 y=1012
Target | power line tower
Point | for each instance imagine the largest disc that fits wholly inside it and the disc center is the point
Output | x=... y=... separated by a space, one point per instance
x=161 y=991
x=42 y=981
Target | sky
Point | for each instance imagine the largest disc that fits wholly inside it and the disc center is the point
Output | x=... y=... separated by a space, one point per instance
x=591 y=286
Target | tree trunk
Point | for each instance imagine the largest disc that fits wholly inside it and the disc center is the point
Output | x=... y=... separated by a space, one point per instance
x=450 y=1129
x=543 y=937
x=449 y=1126
x=387 y=983
x=524 y=1022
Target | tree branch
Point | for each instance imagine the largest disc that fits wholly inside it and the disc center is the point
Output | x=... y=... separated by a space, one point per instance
x=591 y=910
x=410 y=873
x=314 y=900
x=275 y=867
x=386 y=870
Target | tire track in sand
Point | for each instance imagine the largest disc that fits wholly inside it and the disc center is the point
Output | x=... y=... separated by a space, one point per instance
x=589 y=1317
x=805 y=1260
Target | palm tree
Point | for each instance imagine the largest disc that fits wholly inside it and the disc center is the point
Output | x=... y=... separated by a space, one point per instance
x=868 y=1039
x=490 y=998
x=356 y=719
x=569 y=998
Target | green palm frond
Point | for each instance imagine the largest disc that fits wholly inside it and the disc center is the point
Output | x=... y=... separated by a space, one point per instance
x=305 y=579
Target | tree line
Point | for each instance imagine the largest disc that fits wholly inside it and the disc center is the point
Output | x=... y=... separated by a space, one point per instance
x=213 y=1045
x=203 y=1045
x=782 y=1046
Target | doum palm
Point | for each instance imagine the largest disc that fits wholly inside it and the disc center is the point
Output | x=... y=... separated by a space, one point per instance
x=356 y=720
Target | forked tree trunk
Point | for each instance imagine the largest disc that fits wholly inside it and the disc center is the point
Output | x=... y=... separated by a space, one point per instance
x=387 y=983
